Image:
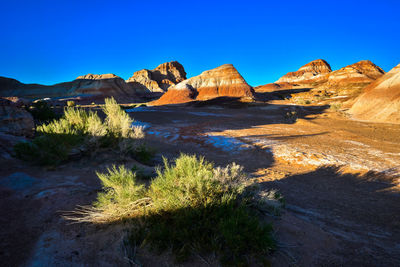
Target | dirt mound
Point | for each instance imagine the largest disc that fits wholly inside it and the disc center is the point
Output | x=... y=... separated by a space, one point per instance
x=272 y=87
x=380 y=101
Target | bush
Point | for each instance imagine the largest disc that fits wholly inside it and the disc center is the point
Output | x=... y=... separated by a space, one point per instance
x=118 y=121
x=144 y=154
x=70 y=103
x=83 y=130
x=41 y=111
x=191 y=207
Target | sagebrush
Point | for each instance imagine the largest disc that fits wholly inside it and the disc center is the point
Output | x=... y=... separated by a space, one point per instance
x=84 y=131
x=190 y=207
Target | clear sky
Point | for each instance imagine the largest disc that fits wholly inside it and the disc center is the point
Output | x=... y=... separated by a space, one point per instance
x=55 y=41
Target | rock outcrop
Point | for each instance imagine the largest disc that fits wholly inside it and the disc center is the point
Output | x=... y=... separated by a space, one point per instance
x=159 y=79
x=380 y=101
x=223 y=81
x=15 y=120
x=315 y=71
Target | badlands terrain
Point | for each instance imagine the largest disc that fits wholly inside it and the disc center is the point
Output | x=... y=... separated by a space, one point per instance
x=327 y=140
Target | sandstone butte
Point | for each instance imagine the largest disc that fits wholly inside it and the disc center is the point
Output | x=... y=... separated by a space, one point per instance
x=318 y=74
x=223 y=81
x=159 y=79
x=380 y=101
x=91 y=84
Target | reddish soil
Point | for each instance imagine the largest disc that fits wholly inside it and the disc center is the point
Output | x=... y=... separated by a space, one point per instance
x=339 y=177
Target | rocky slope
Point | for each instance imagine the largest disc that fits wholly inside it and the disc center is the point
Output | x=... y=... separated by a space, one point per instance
x=223 y=81
x=380 y=101
x=91 y=84
x=159 y=79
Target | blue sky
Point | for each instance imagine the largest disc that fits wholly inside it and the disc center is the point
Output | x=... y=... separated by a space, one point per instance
x=55 y=41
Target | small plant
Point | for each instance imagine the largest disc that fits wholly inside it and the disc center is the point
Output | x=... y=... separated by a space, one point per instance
x=70 y=103
x=190 y=207
x=291 y=116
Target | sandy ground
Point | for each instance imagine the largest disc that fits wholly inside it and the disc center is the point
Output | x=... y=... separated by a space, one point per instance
x=340 y=179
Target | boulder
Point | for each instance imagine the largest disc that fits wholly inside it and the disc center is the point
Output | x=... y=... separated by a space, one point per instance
x=15 y=120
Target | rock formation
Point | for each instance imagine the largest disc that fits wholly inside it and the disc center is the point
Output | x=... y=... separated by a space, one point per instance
x=353 y=77
x=315 y=71
x=15 y=120
x=91 y=84
x=318 y=76
x=103 y=84
x=224 y=81
x=380 y=101
x=159 y=79
x=272 y=87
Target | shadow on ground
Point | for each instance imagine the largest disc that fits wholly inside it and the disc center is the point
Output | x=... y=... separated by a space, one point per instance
x=361 y=210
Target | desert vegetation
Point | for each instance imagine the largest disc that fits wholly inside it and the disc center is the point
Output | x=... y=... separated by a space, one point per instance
x=81 y=131
x=42 y=111
x=191 y=207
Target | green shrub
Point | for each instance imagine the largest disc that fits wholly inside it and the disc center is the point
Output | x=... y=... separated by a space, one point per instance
x=141 y=173
x=144 y=154
x=81 y=129
x=118 y=122
x=41 y=111
x=190 y=207
x=70 y=103
x=335 y=106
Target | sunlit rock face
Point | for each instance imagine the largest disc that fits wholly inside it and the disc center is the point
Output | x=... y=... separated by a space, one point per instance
x=380 y=101
x=315 y=71
x=223 y=81
x=159 y=79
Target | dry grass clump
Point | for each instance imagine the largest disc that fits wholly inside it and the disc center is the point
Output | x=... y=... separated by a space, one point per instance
x=190 y=207
x=83 y=130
